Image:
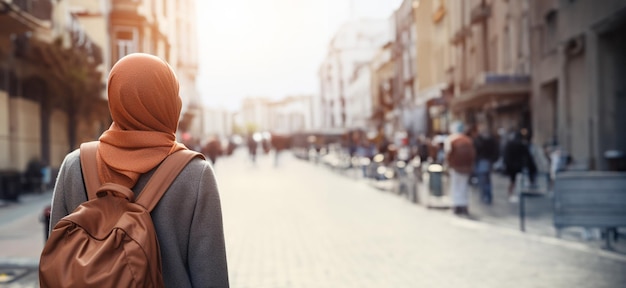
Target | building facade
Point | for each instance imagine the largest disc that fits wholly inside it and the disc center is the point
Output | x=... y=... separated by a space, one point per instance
x=404 y=54
x=383 y=72
x=492 y=85
x=215 y=122
x=578 y=61
x=353 y=46
x=50 y=83
x=164 y=28
x=255 y=114
x=359 y=99
x=49 y=108
x=434 y=65
x=293 y=114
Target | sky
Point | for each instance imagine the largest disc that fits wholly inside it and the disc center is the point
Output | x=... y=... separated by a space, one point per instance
x=269 y=48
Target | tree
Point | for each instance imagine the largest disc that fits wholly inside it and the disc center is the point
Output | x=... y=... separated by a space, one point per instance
x=74 y=80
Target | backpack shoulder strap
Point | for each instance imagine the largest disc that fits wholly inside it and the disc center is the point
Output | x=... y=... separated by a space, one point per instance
x=163 y=177
x=89 y=168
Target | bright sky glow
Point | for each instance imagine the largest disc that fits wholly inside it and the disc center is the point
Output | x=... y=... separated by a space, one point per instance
x=269 y=48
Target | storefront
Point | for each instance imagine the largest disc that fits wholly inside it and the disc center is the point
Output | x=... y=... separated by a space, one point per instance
x=500 y=102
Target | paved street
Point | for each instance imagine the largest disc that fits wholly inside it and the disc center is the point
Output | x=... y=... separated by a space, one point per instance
x=21 y=232
x=299 y=225
x=21 y=240
x=302 y=225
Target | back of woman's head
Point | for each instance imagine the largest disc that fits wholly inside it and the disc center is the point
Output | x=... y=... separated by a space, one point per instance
x=143 y=94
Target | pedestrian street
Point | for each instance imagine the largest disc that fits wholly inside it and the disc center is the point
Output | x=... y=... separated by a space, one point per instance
x=301 y=225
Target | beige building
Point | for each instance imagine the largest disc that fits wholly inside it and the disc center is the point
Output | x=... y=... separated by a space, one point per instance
x=383 y=73
x=492 y=63
x=45 y=109
x=165 y=28
x=215 y=122
x=352 y=46
x=578 y=62
x=255 y=114
x=49 y=84
x=290 y=115
x=434 y=65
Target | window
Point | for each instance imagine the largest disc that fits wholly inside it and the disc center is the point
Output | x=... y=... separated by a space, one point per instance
x=494 y=57
x=523 y=37
x=550 y=31
x=506 y=49
x=125 y=42
x=406 y=65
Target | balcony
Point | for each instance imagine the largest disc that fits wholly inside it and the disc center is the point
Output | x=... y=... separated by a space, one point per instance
x=125 y=5
x=461 y=35
x=127 y=9
x=19 y=16
x=41 y=9
x=480 y=13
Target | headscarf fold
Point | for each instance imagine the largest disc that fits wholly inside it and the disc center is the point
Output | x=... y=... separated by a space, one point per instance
x=145 y=107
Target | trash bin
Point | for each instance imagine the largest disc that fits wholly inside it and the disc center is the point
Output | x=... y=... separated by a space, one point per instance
x=435 y=185
x=10 y=184
x=616 y=160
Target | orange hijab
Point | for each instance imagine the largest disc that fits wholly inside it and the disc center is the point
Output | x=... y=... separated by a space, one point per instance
x=145 y=108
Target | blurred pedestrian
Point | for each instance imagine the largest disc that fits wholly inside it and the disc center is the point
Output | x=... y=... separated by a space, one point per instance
x=487 y=153
x=231 y=146
x=252 y=147
x=34 y=175
x=279 y=143
x=213 y=149
x=46 y=176
x=460 y=156
x=145 y=105
x=440 y=155
x=516 y=158
x=422 y=148
x=529 y=163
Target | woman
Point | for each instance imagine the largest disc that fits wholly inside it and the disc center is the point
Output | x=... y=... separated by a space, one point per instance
x=145 y=107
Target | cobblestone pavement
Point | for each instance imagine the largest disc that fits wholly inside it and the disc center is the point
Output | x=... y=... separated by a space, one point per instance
x=301 y=225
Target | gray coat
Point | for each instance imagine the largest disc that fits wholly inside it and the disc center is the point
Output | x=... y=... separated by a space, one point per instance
x=188 y=221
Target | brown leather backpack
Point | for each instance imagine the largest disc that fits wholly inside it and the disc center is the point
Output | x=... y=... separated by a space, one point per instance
x=110 y=240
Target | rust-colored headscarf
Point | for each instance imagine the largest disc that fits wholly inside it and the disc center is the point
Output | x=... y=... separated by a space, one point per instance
x=145 y=108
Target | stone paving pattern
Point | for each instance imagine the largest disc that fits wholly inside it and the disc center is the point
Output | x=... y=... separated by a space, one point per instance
x=301 y=225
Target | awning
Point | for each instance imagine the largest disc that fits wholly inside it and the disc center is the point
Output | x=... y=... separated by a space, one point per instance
x=425 y=95
x=492 y=95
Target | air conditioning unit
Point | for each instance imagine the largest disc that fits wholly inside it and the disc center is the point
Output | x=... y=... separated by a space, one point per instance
x=575 y=46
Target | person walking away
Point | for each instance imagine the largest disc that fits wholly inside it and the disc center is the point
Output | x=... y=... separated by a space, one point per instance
x=252 y=147
x=213 y=149
x=487 y=153
x=460 y=156
x=145 y=106
x=516 y=157
x=529 y=163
